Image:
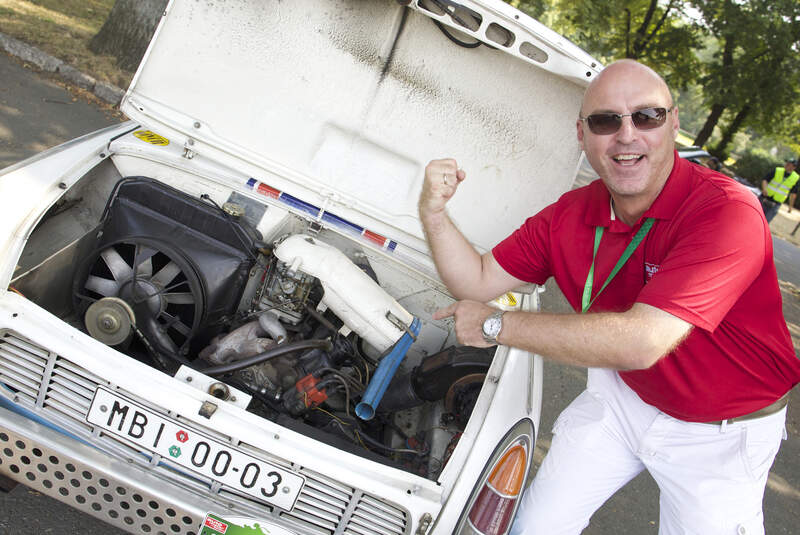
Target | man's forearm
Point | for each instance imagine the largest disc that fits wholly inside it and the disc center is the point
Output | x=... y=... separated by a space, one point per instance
x=635 y=339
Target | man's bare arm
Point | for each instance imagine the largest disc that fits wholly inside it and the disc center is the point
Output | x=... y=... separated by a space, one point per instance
x=467 y=274
x=635 y=339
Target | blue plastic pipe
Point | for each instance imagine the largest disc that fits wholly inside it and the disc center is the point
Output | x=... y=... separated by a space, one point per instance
x=384 y=374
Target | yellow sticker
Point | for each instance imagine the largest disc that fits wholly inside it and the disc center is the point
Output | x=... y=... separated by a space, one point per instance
x=152 y=138
x=507 y=300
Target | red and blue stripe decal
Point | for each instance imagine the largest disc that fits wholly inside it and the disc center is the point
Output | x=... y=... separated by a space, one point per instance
x=318 y=213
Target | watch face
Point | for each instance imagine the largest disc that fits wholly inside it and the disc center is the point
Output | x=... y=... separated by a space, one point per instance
x=492 y=326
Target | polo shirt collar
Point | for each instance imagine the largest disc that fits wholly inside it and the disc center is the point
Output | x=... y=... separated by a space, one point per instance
x=674 y=192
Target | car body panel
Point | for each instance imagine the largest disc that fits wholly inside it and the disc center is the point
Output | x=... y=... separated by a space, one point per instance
x=329 y=138
x=244 y=84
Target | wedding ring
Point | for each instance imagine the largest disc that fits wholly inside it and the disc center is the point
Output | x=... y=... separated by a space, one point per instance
x=444 y=177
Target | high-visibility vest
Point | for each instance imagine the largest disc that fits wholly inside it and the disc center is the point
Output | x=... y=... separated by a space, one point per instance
x=778 y=188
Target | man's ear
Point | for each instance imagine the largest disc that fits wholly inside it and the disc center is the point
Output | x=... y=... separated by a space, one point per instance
x=676 y=126
x=579 y=126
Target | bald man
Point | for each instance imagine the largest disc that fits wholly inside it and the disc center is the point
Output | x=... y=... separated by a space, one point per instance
x=669 y=268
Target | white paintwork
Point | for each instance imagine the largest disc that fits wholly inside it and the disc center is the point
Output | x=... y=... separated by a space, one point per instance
x=302 y=92
x=29 y=188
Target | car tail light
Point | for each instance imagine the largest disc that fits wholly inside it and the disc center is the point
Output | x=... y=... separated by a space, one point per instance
x=492 y=511
x=496 y=496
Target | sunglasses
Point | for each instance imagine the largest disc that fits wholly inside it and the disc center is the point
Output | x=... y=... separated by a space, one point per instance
x=603 y=124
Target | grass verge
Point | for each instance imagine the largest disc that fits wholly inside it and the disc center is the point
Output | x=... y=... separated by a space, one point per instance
x=63 y=28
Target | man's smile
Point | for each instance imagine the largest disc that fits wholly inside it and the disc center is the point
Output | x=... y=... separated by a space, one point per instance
x=627 y=160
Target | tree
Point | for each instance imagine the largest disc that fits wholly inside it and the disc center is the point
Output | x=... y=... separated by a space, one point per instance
x=750 y=81
x=127 y=31
x=656 y=33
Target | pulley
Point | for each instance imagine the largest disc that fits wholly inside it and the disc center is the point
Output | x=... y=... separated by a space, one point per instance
x=110 y=320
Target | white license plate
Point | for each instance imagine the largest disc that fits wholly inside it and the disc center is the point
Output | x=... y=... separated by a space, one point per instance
x=193 y=450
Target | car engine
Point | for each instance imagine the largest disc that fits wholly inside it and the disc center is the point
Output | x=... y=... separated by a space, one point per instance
x=301 y=325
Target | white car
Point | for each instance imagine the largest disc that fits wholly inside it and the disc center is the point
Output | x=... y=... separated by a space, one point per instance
x=216 y=317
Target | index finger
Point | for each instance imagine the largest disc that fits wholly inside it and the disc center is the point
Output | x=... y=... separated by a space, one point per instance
x=445 y=312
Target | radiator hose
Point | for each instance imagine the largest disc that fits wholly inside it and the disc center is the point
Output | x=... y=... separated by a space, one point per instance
x=385 y=372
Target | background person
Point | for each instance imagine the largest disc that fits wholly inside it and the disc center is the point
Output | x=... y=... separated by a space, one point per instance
x=689 y=355
x=776 y=186
x=715 y=164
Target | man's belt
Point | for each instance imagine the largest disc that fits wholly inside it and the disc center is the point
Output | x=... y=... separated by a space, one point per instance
x=766 y=411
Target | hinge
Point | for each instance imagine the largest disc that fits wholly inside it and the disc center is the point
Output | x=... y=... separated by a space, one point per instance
x=188 y=149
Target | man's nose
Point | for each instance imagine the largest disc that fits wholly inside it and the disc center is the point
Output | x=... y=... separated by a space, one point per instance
x=627 y=131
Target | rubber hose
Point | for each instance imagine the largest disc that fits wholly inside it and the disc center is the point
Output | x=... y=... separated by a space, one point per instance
x=267 y=355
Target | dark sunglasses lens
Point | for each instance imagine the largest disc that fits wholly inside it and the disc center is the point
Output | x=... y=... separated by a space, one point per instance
x=604 y=123
x=649 y=118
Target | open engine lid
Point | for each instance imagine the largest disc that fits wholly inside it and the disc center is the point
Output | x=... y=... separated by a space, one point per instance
x=341 y=103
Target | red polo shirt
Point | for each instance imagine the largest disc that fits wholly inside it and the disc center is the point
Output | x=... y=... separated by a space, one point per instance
x=707 y=260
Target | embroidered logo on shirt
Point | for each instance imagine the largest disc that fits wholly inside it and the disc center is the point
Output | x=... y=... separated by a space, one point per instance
x=650 y=270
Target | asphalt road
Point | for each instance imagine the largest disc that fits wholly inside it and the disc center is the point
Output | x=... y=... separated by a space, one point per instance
x=37 y=113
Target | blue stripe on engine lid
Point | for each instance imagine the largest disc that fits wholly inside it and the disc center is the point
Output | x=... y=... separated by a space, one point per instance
x=300 y=205
x=339 y=222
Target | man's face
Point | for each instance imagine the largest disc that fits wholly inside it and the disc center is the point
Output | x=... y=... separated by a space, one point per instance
x=631 y=162
x=789 y=167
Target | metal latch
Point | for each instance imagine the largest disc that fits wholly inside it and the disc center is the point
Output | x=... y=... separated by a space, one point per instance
x=188 y=150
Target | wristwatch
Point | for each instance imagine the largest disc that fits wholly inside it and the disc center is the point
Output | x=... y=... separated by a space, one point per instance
x=492 y=326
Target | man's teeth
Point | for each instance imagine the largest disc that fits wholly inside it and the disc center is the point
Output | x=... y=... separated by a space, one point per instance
x=627 y=157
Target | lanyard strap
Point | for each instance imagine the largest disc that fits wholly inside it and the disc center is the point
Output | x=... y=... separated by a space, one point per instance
x=587 y=299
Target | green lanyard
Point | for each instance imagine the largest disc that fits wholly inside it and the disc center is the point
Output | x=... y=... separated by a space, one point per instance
x=587 y=300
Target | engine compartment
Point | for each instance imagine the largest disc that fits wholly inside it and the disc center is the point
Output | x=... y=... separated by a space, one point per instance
x=323 y=335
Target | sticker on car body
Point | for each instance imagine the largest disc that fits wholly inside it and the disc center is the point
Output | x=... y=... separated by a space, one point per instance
x=151 y=137
x=216 y=525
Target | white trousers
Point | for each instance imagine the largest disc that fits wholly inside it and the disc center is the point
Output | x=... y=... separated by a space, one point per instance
x=711 y=478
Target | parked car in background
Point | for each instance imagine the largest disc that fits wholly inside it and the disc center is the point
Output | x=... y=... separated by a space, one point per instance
x=218 y=314
x=698 y=156
x=702 y=157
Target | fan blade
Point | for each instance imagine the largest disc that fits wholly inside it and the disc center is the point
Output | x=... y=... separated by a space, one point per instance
x=182 y=298
x=117 y=265
x=143 y=260
x=144 y=269
x=166 y=274
x=175 y=323
x=105 y=287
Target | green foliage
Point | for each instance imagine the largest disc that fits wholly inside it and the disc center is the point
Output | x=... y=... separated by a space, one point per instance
x=691 y=108
x=534 y=8
x=754 y=75
x=656 y=33
x=755 y=164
